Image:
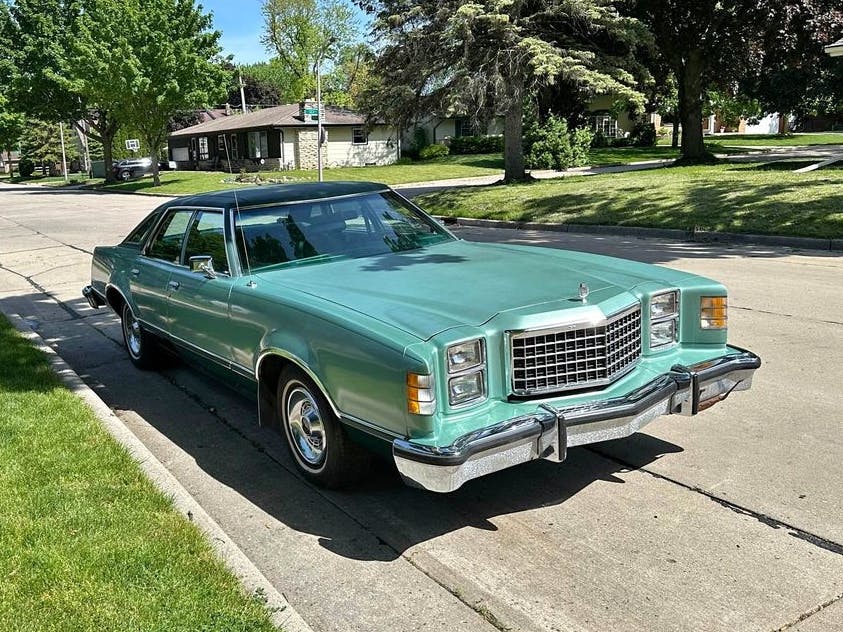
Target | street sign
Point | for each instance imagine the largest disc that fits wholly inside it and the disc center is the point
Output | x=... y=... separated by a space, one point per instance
x=132 y=144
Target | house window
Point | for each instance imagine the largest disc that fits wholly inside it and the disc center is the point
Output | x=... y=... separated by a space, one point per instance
x=258 y=145
x=232 y=146
x=204 y=153
x=222 y=150
x=359 y=136
x=465 y=127
x=604 y=124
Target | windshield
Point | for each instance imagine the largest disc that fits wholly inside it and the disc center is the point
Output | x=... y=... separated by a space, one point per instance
x=356 y=226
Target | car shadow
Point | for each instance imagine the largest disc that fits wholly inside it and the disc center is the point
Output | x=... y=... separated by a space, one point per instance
x=379 y=518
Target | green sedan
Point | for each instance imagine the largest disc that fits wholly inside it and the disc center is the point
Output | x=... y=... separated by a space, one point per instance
x=364 y=322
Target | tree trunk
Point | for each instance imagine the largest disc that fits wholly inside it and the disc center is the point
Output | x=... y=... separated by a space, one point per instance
x=513 y=145
x=107 y=139
x=674 y=141
x=156 y=178
x=690 y=109
x=11 y=164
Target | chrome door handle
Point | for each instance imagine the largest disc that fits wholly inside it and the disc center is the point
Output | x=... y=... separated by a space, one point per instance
x=135 y=272
x=173 y=285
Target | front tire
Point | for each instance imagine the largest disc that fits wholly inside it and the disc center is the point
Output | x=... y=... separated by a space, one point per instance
x=141 y=346
x=317 y=441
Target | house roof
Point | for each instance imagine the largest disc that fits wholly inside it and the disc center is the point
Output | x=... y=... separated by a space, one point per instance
x=279 y=116
x=836 y=49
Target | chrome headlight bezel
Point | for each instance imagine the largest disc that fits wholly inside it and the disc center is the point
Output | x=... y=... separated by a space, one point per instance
x=475 y=370
x=664 y=314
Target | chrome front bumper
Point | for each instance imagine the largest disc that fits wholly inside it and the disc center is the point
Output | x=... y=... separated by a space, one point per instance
x=549 y=432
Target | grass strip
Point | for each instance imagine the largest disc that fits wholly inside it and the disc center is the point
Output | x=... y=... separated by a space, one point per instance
x=765 y=199
x=87 y=543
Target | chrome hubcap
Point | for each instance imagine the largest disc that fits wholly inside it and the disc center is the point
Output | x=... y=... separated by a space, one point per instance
x=131 y=329
x=305 y=425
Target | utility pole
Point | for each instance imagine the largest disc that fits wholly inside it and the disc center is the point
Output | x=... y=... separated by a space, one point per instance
x=319 y=119
x=242 y=92
x=63 y=154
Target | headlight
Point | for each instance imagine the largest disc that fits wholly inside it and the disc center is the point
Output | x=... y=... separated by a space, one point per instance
x=664 y=305
x=713 y=312
x=662 y=334
x=664 y=320
x=466 y=388
x=467 y=365
x=465 y=356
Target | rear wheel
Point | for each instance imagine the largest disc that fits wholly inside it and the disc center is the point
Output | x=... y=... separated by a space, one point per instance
x=125 y=175
x=143 y=349
x=317 y=441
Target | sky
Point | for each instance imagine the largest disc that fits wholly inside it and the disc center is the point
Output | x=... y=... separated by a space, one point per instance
x=241 y=24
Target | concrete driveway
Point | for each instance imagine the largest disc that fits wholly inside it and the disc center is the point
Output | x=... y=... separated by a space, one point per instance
x=732 y=520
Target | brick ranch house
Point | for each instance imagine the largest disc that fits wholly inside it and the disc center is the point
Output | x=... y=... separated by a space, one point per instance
x=283 y=137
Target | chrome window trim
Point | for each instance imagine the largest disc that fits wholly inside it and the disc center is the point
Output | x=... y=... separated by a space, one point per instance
x=598 y=319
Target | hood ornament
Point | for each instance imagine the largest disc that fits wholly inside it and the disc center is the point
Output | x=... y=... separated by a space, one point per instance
x=583 y=292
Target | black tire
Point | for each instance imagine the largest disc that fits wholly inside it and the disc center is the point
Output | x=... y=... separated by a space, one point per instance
x=125 y=176
x=315 y=437
x=142 y=347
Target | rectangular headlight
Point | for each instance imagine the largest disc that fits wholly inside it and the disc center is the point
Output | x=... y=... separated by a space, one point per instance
x=664 y=305
x=465 y=356
x=713 y=312
x=663 y=333
x=466 y=388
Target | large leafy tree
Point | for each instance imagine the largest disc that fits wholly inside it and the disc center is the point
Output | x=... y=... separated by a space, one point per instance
x=721 y=44
x=302 y=33
x=11 y=127
x=485 y=58
x=163 y=62
x=37 y=38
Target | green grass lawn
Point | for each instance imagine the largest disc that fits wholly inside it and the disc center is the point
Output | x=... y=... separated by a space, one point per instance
x=770 y=140
x=86 y=541
x=747 y=198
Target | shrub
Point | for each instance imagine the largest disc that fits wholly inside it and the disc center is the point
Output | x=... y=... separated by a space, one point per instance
x=433 y=151
x=476 y=145
x=404 y=160
x=643 y=135
x=599 y=140
x=26 y=167
x=552 y=146
x=623 y=141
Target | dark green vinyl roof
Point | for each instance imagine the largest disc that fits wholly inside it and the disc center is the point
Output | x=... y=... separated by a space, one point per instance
x=276 y=194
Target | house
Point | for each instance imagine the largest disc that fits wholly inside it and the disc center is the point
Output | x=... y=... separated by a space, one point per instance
x=603 y=118
x=441 y=129
x=836 y=49
x=9 y=161
x=283 y=137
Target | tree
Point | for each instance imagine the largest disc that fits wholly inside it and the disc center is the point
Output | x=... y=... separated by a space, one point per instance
x=11 y=128
x=446 y=57
x=37 y=35
x=41 y=143
x=350 y=76
x=166 y=63
x=265 y=84
x=718 y=44
x=303 y=33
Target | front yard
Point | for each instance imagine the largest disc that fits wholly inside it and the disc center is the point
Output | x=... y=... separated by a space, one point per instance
x=86 y=542
x=747 y=198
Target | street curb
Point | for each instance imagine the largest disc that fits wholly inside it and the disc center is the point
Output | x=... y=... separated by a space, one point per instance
x=698 y=236
x=282 y=614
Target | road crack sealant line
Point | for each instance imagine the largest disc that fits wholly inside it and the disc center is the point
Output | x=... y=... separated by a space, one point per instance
x=282 y=614
x=774 y=523
x=810 y=613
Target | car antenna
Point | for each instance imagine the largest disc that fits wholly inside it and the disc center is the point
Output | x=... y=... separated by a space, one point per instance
x=251 y=282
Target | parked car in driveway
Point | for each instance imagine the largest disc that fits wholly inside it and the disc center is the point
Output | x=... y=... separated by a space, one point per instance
x=363 y=321
x=131 y=168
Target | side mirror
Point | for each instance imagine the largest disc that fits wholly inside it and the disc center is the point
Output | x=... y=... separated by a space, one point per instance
x=203 y=264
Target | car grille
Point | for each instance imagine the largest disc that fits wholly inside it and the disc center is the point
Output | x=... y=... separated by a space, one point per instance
x=562 y=359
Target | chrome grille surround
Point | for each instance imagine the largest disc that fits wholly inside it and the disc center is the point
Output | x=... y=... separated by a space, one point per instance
x=576 y=356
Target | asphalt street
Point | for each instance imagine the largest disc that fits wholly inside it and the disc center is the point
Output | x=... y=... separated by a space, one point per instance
x=732 y=520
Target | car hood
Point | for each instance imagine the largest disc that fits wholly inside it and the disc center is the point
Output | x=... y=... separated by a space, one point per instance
x=427 y=291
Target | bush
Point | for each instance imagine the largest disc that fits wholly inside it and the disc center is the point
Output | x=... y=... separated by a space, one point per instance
x=26 y=167
x=599 y=140
x=552 y=146
x=433 y=151
x=404 y=160
x=643 y=135
x=476 y=145
x=623 y=141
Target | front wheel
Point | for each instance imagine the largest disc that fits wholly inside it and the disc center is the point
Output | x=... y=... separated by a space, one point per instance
x=317 y=441
x=142 y=347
